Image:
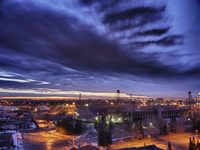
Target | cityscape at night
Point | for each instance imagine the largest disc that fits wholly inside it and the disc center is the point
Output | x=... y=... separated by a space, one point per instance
x=99 y=75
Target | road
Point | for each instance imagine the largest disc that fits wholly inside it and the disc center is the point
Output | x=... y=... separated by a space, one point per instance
x=179 y=141
x=46 y=140
x=52 y=140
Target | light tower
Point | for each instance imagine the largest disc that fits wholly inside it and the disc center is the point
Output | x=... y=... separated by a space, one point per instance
x=118 y=94
x=131 y=97
x=80 y=97
x=131 y=100
x=189 y=99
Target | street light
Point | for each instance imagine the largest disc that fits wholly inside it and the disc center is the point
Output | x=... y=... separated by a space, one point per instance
x=113 y=120
x=196 y=132
x=119 y=119
x=149 y=136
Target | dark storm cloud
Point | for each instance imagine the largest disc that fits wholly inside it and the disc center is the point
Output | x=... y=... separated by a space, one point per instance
x=155 y=32
x=54 y=36
x=120 y=18
x=194 y=71
x=132 y=24
x=87 y=2
x=150 y=32
x=135 y=20
x=132 y=18
x=132 y=13
x=49 y=44
x=166 y=41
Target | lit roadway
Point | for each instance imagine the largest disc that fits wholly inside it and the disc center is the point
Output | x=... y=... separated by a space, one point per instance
x=46 y=140
x=179 y=141
x=52 y=140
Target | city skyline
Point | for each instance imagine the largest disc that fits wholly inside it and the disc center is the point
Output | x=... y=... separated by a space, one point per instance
x=145 y=48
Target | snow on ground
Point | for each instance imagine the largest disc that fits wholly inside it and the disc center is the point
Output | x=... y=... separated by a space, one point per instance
x=17 y=139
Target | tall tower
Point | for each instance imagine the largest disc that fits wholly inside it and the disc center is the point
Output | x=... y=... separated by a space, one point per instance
x=131 y=97
x=80 y=97
x=118 y=94
x=189 y=99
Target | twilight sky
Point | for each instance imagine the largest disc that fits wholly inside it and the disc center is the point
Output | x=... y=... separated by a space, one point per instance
x=144 y=47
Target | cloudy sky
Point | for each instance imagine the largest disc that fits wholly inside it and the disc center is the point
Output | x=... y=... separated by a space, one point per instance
x=144 y=47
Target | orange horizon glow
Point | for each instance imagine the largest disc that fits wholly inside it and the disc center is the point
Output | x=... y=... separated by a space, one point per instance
x=59 y=94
